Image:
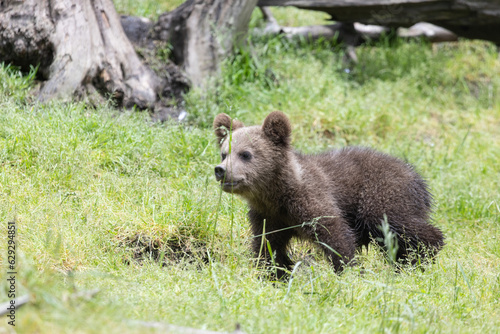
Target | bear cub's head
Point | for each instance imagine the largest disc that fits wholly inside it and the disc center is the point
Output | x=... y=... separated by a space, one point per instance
x=251 y=155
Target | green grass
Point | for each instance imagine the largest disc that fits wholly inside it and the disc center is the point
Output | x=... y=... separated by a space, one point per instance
x=90 y=189
x=145 y=8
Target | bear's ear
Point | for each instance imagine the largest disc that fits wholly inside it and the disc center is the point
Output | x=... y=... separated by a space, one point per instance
x=277 y=128
x=222 y=126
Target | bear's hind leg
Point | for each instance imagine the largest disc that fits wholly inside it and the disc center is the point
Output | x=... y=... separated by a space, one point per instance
x=419 y=244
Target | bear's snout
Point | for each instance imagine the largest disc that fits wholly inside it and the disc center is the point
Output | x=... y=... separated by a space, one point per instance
x=220 y=173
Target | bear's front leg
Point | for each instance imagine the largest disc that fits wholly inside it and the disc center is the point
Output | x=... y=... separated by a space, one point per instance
x=278 y=244
x=265 y=231
x=335 y=238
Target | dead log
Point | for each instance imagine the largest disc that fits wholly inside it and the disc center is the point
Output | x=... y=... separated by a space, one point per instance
x=81 y=49
x=168 y=328
x=352 y=34
x=429 y=31
x=339 y=31
x=18 y=302
x=467 y=18
x=203 y=32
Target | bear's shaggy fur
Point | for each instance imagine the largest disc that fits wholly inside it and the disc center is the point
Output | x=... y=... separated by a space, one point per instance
x=337 y=199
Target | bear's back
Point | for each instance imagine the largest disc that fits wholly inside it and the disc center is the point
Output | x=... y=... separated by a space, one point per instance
x=366 y=185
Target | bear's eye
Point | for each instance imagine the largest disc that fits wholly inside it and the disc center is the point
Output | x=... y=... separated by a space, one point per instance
x=245 y=155
x=223 y=156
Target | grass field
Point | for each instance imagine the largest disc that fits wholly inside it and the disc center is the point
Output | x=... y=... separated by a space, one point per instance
x=107 y=200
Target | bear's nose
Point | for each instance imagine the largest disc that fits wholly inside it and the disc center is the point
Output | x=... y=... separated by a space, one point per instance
x=220 y=173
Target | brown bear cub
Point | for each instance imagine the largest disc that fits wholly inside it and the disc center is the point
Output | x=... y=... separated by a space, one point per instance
x=337 y=199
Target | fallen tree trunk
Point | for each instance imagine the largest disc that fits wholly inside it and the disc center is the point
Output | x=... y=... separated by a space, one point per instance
x=203 y=32
x=339 y=31
x=82 y=50
x=467 y=18
x=352 y=34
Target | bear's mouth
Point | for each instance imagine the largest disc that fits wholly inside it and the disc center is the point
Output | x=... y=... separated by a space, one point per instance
x=229 y=186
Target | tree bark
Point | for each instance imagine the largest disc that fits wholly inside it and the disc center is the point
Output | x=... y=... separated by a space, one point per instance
x=352 y=34
x=468 y=18
x=81 y=48
x=203 y=32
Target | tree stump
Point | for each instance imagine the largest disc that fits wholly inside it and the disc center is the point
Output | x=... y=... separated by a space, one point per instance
x=203 y=32
x=81 y=49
